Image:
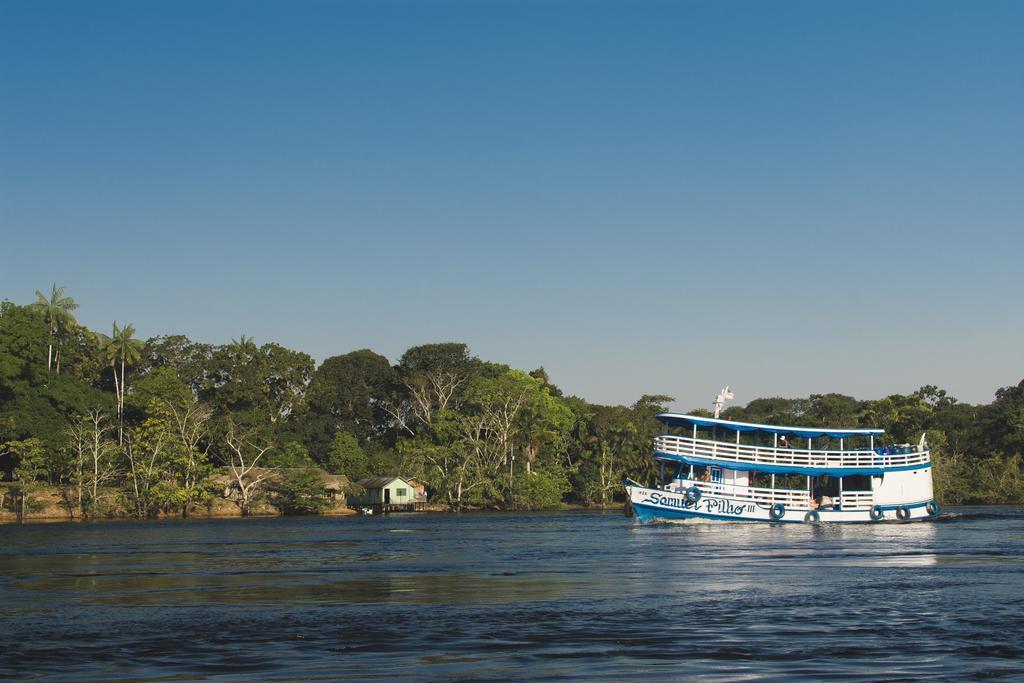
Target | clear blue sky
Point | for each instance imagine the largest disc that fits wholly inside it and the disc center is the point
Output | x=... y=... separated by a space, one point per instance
x=651 y=197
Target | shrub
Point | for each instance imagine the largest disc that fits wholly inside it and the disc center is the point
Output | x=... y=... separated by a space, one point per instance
x=539 y=490
x=300 y=491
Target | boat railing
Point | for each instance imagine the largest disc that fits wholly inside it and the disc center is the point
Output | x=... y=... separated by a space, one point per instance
x=788 y=497
x=853 y=500
x=794 y=498
x=671 y=444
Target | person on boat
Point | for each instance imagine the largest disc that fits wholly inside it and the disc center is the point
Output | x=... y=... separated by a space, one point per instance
x=783 y=441
x=706 y=477
x=813 y=504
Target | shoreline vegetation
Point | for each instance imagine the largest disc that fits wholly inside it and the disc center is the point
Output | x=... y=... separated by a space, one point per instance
x=112 y=426
x=51 y=508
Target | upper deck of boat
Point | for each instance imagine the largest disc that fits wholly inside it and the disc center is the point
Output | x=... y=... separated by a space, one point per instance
x=781 y=456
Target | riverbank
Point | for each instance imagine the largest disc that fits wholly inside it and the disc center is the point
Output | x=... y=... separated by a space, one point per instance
x=48 y=504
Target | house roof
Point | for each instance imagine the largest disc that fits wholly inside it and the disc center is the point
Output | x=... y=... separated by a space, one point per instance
x=335 y=482
x=332 y=482
x=379 y=482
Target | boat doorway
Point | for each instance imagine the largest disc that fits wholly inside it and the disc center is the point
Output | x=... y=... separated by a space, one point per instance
x=824 y=491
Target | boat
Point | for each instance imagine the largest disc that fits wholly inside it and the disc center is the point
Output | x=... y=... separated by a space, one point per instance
x=716 y=468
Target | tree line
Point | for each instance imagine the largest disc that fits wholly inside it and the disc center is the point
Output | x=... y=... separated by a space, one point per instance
x=117 y=423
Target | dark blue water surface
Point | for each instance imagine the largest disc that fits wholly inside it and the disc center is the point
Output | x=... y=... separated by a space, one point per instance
x=493 y=596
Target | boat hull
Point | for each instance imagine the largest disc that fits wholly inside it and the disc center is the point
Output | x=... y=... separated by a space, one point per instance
x=650 y=505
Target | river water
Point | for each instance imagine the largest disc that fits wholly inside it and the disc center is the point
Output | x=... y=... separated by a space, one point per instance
x=496 y=597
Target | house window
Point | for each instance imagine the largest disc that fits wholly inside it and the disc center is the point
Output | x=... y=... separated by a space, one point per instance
x=400 y=493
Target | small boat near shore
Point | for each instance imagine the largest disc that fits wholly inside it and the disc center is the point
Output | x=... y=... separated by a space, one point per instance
x=712 y=468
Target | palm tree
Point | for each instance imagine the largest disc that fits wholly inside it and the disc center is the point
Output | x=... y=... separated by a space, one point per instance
x=57 y=313
x=119 y=347
x=245 y=346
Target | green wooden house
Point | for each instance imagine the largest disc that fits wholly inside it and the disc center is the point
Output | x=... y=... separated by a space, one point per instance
x=388 y=493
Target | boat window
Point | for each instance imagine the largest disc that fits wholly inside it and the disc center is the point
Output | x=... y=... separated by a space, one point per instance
x=791 y=481
x=857 y=482
x=750 y=438
x=716 y=475
x=825 y=486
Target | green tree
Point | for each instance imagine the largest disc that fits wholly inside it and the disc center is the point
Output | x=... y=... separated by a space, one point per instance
x=1000 y=425
x=257 y=386
x=187 y=456
x=832 y=410
x=301 y=492
x=31 y=467
x=904 y=418
x=291 y=455
x=541 y=489
x=640 y=464
x=78 y=353
x=169 y=459
x=347 y=457
x=161 y=384
x=144 y=450
x=449 y=357
x=776 y=410
x=188 y=359
x=22 y=330
x=544 y=424
x=347 y=393
x=56 y=310
x=33 y=402
x=433 y=378
x=472 y=454
x=610 y=437
x=542 y=374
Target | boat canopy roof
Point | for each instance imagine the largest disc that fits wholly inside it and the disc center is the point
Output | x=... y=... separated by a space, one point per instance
x=676 y=420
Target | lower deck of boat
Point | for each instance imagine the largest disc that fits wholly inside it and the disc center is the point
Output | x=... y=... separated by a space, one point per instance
x=650 y=504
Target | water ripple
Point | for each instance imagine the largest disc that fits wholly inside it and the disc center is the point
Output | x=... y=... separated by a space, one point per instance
x=501 y=597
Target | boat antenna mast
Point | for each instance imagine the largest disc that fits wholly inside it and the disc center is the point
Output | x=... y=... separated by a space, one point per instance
x=723 y=396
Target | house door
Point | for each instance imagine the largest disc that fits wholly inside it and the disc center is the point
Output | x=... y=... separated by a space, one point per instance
x=387 y=496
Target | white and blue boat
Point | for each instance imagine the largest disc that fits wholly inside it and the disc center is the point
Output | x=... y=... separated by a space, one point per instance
x=713 y=468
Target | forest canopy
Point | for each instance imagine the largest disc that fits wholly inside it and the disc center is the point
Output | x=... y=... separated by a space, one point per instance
x=144 y=424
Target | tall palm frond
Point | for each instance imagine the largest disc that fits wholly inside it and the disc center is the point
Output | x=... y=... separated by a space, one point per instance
x=126 y=350
x=120 y=349
x=244 y=345
x=56 y=312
